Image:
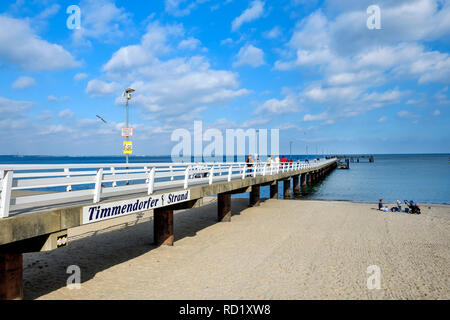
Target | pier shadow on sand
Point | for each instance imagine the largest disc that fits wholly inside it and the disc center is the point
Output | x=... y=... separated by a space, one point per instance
x=45 y=272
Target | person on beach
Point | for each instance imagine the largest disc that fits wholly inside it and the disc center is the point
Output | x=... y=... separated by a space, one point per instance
x=380 y=204
x=399 y=206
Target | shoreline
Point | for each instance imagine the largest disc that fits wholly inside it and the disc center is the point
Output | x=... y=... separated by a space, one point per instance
x=349 y=201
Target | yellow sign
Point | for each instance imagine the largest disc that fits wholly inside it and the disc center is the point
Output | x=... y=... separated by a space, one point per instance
x=127 y=147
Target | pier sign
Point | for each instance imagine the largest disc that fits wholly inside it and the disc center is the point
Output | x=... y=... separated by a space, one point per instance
x=127 y=147
x=100 y=212
x=127 y=132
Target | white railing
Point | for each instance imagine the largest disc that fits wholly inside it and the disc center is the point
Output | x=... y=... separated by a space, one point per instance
x=80 y=182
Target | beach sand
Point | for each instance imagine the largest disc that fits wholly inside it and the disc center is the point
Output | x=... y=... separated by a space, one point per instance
x=283 y=249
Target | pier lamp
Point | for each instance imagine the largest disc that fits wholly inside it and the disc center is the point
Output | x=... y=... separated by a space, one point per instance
x=127 y=95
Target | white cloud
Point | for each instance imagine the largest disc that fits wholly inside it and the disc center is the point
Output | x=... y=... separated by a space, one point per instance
x=66 y=113
x=273 y=33
x=275 y=106
x=100 y=20
x=170 y=86
x=23 y=47
x=49 y=11
x=332 y=94
x=189 y=44
x=174 y=7
x=56 y=99
x=316 y=117
x=382 y=119
x=255 y=11
x=13 y=108
x=23 y=83
x=249 y=55
x=80 y=76
x=153 y=44
x=436 y=112
x=45 y=115
x=54 y=129
x=406 y=114
x=226 y=41
x=255 y=122
x=100 y=88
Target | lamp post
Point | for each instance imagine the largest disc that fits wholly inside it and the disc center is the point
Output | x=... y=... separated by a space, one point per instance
x=127 y=95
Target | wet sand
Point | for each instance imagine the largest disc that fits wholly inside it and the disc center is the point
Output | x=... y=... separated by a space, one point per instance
x=283 y=249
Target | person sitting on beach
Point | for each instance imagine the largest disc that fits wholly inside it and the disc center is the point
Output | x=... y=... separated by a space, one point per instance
x=399 y=206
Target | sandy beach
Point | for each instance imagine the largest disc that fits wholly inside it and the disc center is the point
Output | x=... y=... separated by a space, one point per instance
x=283 y=249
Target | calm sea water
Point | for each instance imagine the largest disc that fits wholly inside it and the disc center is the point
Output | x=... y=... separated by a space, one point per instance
x=422 y=178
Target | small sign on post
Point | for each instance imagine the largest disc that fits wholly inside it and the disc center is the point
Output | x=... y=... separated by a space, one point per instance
x=127 y=132
x=127 y=147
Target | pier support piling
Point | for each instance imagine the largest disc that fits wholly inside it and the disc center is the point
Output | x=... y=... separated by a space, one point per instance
x=303 y=179
x=11 y=276
x=296 y=185
x=274 y=190
x=309 y=179
x=287 y=188
x=224 y=207
x=163 y=226
x=254 y=196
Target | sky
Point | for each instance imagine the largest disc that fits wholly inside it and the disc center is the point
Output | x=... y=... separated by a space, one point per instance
x=312 y=69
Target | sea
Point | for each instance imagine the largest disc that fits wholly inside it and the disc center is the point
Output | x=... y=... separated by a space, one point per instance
x=423 y=178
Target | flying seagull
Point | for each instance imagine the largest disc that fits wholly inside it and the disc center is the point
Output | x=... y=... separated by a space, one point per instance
x=101 y=118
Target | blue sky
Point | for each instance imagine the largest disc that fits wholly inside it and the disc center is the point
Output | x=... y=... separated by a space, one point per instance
x=310 y=68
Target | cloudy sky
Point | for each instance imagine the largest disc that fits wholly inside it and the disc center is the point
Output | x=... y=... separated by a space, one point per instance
x=313 y=69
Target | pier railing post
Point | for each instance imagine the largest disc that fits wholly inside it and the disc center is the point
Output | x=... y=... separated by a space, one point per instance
x=113 y=175
x=186 y=177
x=244 y=170
x=98 y=185
x=67 y=173
x=211 y=174
x=151 y=180
x=7 y=178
